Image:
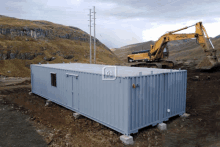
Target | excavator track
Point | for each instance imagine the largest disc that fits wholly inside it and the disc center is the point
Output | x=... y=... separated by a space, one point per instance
x=159 y=64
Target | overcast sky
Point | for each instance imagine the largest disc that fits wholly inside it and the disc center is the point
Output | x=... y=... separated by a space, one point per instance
x=121 y=22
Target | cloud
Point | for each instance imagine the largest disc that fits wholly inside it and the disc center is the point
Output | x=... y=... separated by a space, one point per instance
x=121 y=22
x=165 y=11
x=156 y=31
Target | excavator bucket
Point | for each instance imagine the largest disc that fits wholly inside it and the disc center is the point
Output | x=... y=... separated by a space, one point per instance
x=208 y=63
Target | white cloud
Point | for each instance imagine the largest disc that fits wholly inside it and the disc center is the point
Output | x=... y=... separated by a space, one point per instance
x=212 y=28
x=156 y=31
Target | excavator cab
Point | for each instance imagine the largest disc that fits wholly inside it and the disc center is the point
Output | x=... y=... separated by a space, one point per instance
x=166 y=52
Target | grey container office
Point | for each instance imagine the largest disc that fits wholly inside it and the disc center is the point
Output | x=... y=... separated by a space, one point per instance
x=131 y=100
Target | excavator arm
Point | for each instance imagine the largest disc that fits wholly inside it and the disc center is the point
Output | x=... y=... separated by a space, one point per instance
x=156 y=51
x=159 y=46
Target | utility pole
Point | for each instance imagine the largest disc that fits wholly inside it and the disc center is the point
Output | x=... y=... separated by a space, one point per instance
x=94 y=37
x=90 y=38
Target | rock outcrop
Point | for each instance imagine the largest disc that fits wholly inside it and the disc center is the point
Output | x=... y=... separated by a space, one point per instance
x=38 y=30
x=10 y=55
x=38 y=33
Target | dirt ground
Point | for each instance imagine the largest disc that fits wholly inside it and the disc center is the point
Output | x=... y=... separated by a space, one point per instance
x=25 y=121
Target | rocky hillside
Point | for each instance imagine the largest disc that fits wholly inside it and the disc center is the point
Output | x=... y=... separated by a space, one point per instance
x=25 y=42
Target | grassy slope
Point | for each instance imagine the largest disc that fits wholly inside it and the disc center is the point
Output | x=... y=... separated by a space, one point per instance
x=79 y=49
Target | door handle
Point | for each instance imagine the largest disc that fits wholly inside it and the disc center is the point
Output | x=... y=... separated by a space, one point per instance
x=74 y=75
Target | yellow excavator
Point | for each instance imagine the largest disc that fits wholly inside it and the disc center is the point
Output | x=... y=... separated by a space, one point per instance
x=156 y=56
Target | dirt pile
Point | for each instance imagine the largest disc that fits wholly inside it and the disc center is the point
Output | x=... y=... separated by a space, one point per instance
x=205 y=64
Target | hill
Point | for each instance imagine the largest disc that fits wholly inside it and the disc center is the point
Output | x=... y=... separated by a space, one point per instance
x=25 y=42
x=217 y=37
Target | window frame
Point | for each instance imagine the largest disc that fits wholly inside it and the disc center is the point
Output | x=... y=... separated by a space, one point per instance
x=53 y=79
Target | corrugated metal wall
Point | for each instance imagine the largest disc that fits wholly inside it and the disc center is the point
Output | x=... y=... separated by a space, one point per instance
x=115 y=103
x=156 y=98
x=103 y=101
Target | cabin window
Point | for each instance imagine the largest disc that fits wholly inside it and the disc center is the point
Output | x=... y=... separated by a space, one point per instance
x=53 y=80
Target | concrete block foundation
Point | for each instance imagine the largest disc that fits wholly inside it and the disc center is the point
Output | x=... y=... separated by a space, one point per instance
x=127 y=139
x=76 y=115
x=162 y=126
x=185 y=115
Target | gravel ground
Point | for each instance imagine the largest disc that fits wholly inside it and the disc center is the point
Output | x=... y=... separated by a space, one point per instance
x=16 y=130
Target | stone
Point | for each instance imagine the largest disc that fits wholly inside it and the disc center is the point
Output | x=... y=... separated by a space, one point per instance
x=162 y=126
x=185 y=115
x=76 y=115
x=49 y=139
x=48 y=103
x=39 y=131
x=4 y=57
x=68 y=57
x=35 y=54
x=195 y=78
x=47 y=58
x=8 y=31
x=40 y=53
x=22 y=56
x=30 y=93
x=4 y=31
x=128 y=140
x=52 y=58
x=12 y=55
x=29 y=56
x=68 y=136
